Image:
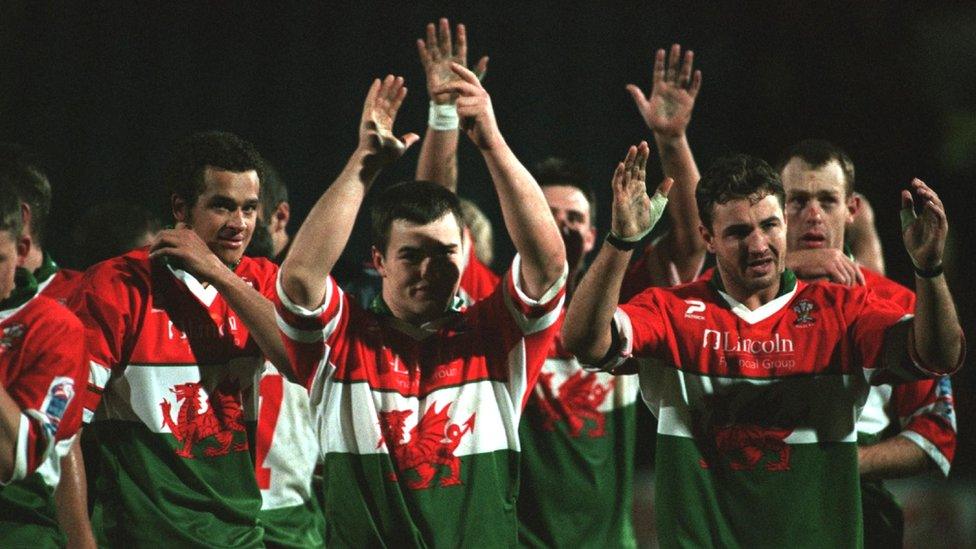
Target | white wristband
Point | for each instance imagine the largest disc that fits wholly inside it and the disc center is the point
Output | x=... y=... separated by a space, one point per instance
x=443 y=117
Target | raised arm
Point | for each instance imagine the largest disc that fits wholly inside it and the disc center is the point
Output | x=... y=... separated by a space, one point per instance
x=438 y=152
x=667 y=111
x=527 y=217
x=325 y=232
x=863 y=239
x=586 y=330
x=938 y=341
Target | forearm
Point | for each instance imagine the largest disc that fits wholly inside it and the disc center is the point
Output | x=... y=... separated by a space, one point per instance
x=9 y=429
x=686 y=245
x=71 y=499
x=438 y=158
x=895 y=457
x=324 y=234
x=586 y=329
x=258 y=314
x=530 y=225
x=936 y=330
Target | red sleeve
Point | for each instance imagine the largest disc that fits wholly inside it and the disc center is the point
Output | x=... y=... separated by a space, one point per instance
x=308 y=333
x=104 y=302
x=47 y=385
x=641 y=328
x=927 y=415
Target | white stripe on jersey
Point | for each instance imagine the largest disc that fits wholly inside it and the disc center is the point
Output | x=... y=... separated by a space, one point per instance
x=930 y=450
x=354 y=411
x=98 y=375
x=874 y=418
x=625 y=387
x=533 y=325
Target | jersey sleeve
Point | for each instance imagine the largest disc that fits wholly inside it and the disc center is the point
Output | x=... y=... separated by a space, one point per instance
x=47 y=391
x=926 y=412
x=882 y=335
x=104 y=304
x=307 y=332
x=639 y=328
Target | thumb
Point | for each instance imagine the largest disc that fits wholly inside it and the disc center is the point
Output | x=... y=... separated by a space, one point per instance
x=481 y=68
x=409 y=139
x=665 y=187
x=638 y=95
x=907 y=210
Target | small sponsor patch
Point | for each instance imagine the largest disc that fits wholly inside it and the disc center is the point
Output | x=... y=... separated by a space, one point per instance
x=59 y=395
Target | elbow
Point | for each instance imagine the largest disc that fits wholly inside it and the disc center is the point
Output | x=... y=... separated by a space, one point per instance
x=579 y=343
x=297 y=285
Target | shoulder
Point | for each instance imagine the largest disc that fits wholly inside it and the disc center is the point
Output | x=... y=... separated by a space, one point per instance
x=887 y=288
x=45 y=311
x=256 y=268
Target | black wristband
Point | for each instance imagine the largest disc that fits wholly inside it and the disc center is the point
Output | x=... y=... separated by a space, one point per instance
x=621 y=244
x=928 y=273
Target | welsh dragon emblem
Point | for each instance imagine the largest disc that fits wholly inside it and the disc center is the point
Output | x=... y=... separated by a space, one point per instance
x=430 y=448
x=221 y=419
x=579 y=400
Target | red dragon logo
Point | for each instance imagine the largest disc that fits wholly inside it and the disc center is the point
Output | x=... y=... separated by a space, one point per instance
x=744 y=446
x=579 y=400
x=430 y=448
x=219 y=421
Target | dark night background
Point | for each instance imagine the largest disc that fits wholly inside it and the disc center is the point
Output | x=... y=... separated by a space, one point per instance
x=102 y=90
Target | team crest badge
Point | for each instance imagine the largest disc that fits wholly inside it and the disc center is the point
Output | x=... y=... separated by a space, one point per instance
x=59 y=395
x=430 y=448
x=578 y=401
x=10 y=335
x=803 y=310
x=220 y=419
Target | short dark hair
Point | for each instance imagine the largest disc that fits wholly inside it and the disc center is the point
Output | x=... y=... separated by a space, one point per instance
x=21 y=170
x=11 y=218
x=419 y=202
x=273 y=190
x=183 y=174
x=736 y=177
x=554 y=171
x=817 y=153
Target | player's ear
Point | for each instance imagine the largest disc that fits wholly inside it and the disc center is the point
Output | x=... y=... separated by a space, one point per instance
x=589 y=239
x=854 y=204
x=379 y=262
x=708 y=237
x=280 y=218
x=23 y=249
x=181 y=208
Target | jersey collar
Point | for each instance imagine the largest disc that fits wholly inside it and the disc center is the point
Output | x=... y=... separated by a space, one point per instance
x=418 y=332
x=24 y=291
x=787 y=289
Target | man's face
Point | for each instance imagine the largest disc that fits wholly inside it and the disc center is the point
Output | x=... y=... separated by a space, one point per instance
x=817 y=208
x=225 y=213
x=13 y=252
x=421 y=268
x=571 y=210
x=749 y=243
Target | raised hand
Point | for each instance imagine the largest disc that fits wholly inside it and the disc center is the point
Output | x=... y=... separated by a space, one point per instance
x=474 y=108
x=436 y=55
x=925 y=234
x=634 y=213
x=667 y=109
x=376 y=139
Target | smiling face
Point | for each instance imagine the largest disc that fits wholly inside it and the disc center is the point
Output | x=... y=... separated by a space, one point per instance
x=817 y=207
x=749 y=242
x=225 y=212
x=421 y=267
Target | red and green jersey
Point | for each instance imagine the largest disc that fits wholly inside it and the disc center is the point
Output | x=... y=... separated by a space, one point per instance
x=756 y=442
x=43 y=369
x=169 y=361
x=578 y=441
x=286 y=451
x=924 y=409
x=418 y=424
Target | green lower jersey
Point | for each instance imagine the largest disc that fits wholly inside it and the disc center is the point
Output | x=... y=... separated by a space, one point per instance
x=578 y=442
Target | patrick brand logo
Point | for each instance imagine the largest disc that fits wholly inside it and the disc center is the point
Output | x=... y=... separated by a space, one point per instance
x=724 y=341
x=695 y=306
